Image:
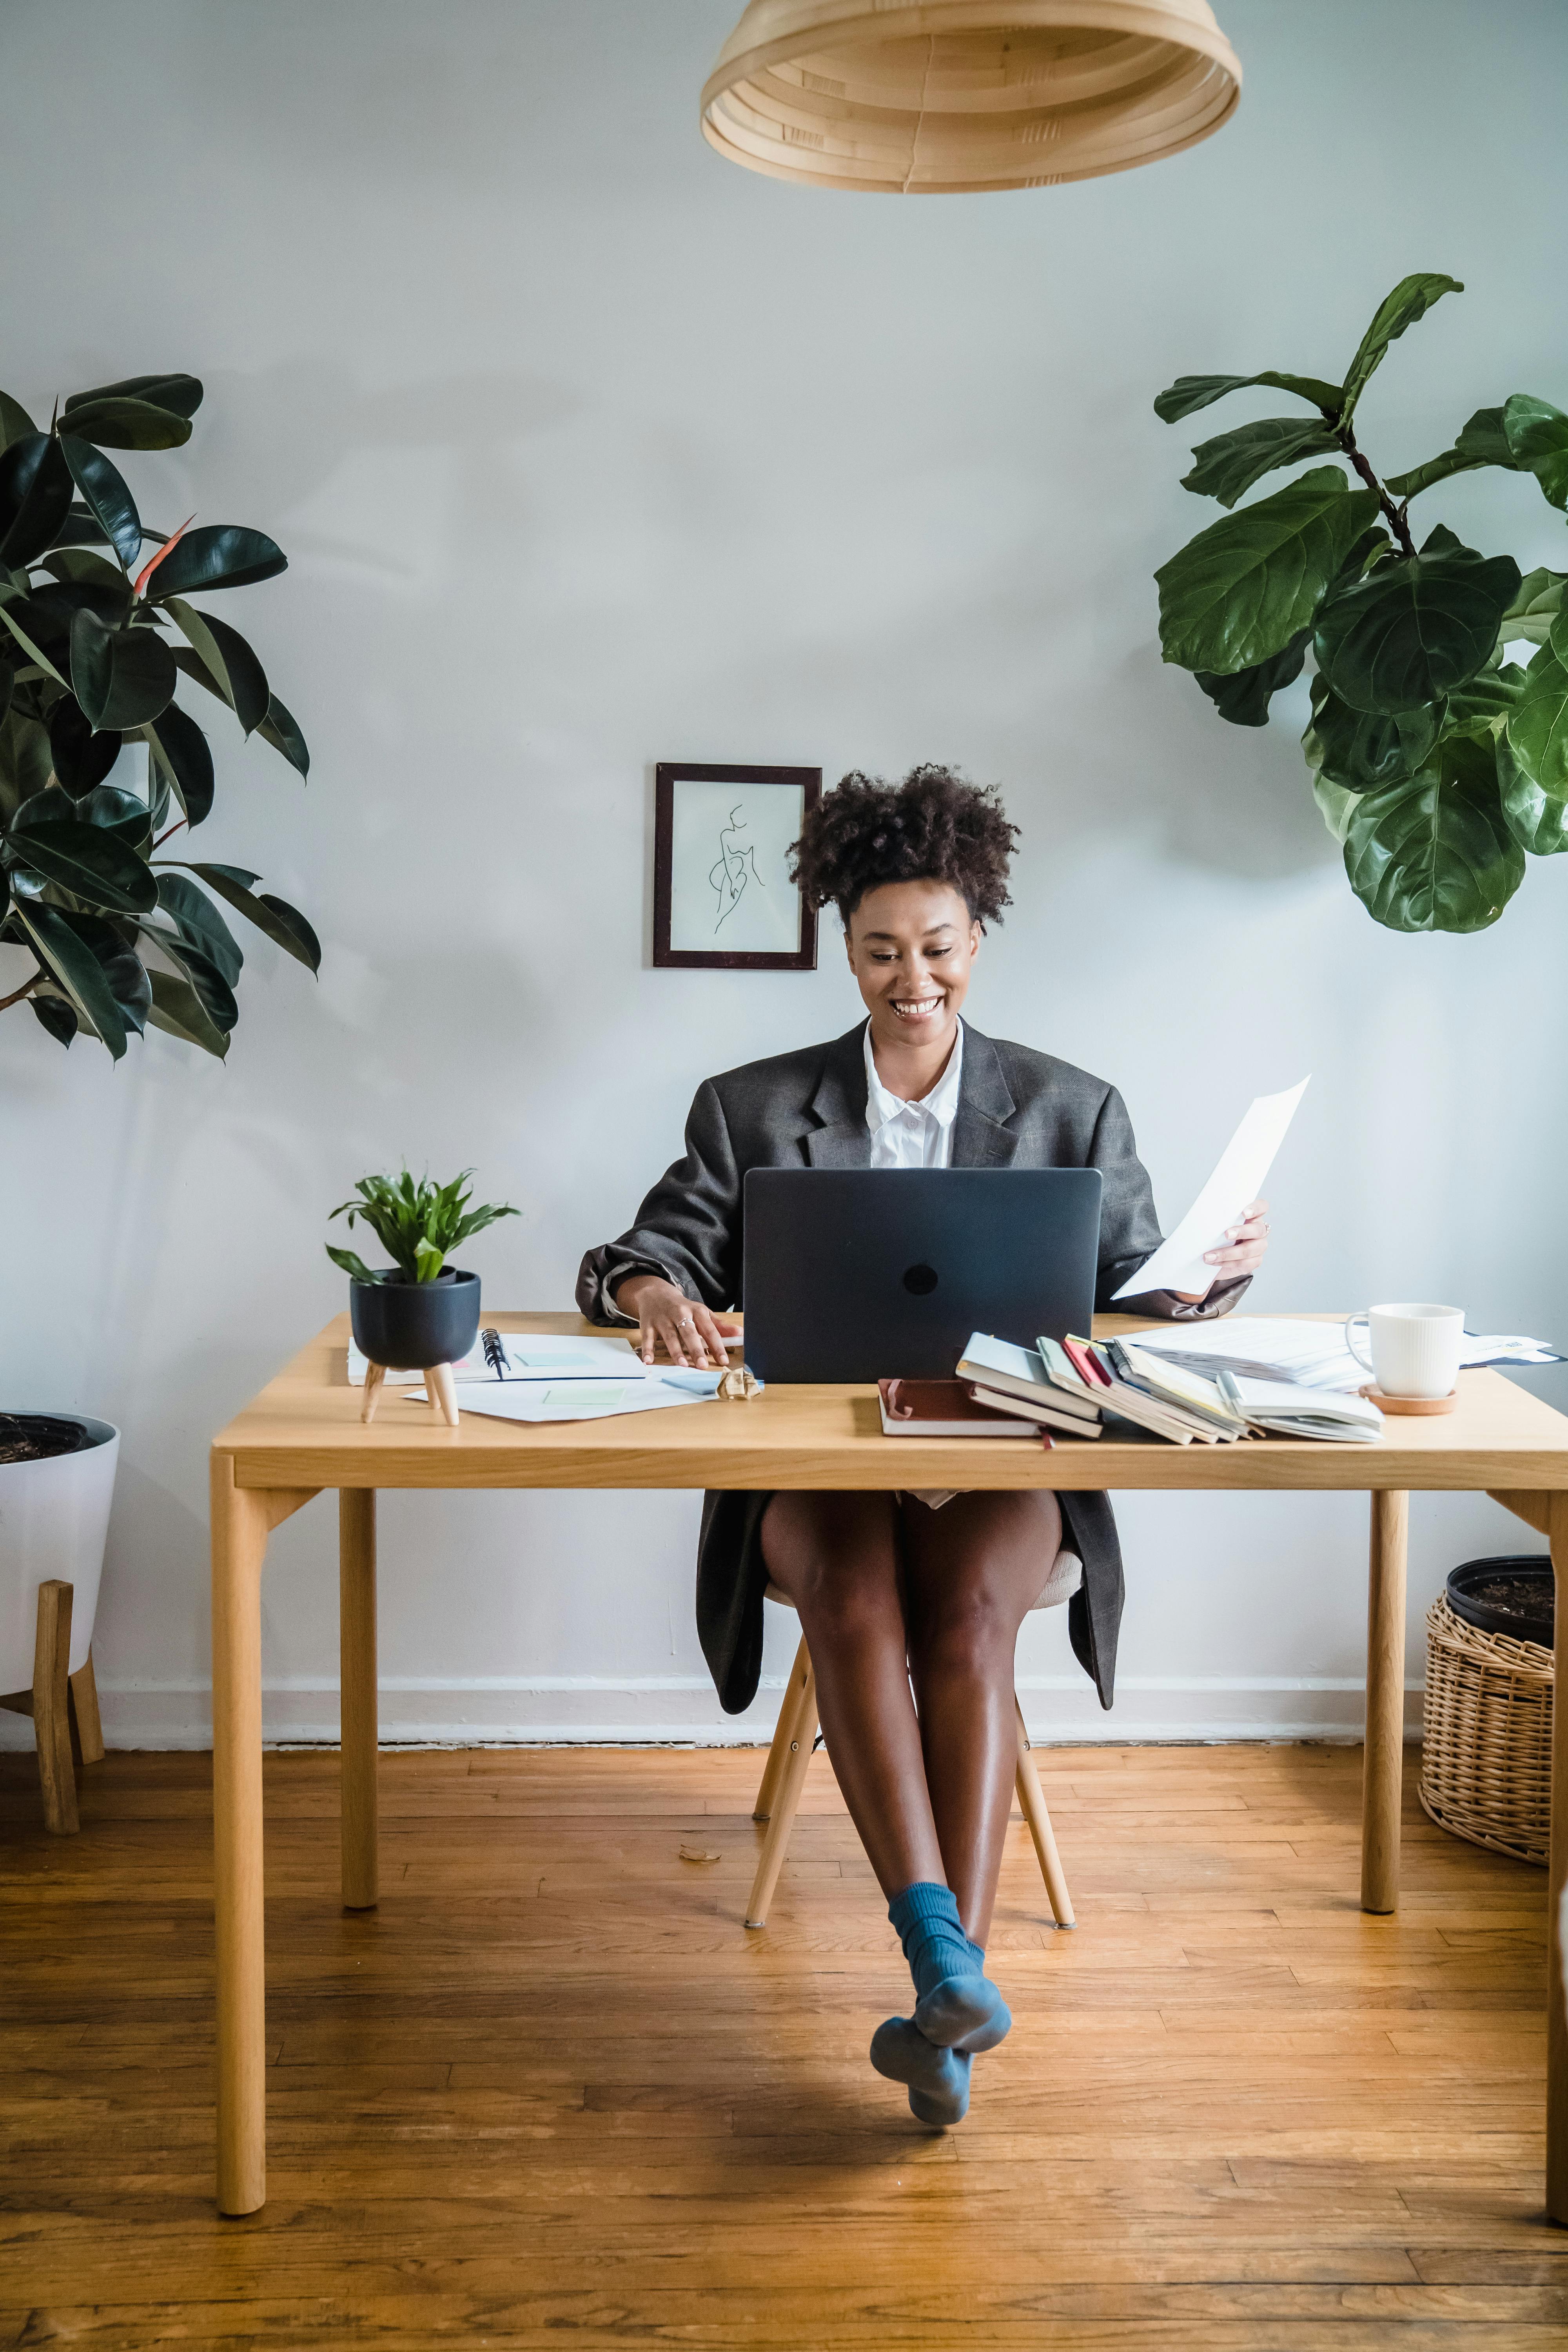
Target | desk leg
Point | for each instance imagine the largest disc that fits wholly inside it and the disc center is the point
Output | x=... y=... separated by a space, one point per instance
x=1557 y=1884
x=239 y=1525
x=1383 y=1768
x=356 y=1636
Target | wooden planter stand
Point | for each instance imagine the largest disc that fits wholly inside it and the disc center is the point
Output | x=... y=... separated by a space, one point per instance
x=59 y=1703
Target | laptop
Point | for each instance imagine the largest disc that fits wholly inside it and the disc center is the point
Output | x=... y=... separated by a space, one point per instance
x=872 y=1273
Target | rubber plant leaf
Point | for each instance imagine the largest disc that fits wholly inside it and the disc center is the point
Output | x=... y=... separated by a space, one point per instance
x=1191 y=393
x=199 y=924
x=219 y=555
x=86 y=859
x=139 y=587
x=81 y=757
x=81 y=975
x=16 y=425
x=281 y=730
x=282 y=923
x=122 y=678
x=179 y=1011
x=216 y=995
x=1416 y=628
x=1436 y=854
x=119 y=424
x=225 y=664
x=184 y=757
x=172 y=390
x=1227 y=466
x=56 y=1015
x=1411 y=300
x=1239 y=592
x=34 y=497
x=1243 y=696
x=106 y=495
x=125 y=814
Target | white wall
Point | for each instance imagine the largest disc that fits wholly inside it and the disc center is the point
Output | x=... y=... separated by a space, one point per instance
x=589 y=450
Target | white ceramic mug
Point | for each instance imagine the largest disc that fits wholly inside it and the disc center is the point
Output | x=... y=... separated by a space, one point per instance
x=1414 y=1348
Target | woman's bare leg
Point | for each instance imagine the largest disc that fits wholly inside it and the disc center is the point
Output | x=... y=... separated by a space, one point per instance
x=836 y=1556
x=973 y=1570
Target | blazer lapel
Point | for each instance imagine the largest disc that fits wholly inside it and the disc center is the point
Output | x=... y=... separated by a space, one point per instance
x=980 y=1135
x=841 y=1138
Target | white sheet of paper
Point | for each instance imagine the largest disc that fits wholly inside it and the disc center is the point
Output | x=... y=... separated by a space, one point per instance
x=1178 y=1263
x=1275 y=1347
x=571 y=1399
x=531 y=1354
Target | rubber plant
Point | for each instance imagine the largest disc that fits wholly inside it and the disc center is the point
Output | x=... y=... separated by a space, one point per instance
x=93 y=648
x=1437 y=762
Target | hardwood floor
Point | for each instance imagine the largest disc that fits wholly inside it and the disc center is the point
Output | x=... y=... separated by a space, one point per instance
x=552 y=2092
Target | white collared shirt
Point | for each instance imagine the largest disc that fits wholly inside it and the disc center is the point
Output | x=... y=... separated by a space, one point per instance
x=914 y=1134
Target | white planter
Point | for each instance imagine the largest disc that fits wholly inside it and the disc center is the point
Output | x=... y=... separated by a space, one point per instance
x=54 y=1519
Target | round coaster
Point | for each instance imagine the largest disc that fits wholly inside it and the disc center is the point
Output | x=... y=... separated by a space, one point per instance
x=1409 y=1405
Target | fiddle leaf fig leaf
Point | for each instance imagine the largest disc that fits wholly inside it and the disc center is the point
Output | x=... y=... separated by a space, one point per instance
x=122 y=678
x=1414 y=628
x=1537 y=729
x=1435 y=853
x=1537 y=437
x=1363 y=750
x=1534 y=608
x=1229 y=466
x=1238 y=593
x=1482 y=705
x=1410 y=301
x=106 y=495
x=1191 y=393
x=1536 y=813
x=1243 y=696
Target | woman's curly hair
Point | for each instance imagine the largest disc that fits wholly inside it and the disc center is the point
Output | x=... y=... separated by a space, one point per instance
x=935 y=826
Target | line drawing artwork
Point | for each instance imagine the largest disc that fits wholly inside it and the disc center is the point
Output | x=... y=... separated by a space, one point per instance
x=734 y=867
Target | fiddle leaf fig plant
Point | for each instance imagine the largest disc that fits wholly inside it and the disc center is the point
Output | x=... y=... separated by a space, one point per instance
x=94 y=645
x=1437 y=762
x=418 y=1226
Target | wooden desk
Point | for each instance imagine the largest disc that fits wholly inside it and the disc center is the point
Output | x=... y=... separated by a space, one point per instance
x=303 y=1434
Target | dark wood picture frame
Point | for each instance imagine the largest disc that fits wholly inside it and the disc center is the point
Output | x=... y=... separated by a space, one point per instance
x=808 y=782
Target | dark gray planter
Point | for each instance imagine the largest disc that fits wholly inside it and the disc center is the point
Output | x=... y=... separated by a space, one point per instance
x=413 y=1325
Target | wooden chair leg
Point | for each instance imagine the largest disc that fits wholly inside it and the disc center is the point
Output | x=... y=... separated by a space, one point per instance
x=51 y=1707
x=778 y=1754
x=775 y=1844
x=85 y=1718
x=1031 y=1797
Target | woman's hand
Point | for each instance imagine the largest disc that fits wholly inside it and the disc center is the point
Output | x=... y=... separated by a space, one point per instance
x=666 y=1318
x=1241 y=1252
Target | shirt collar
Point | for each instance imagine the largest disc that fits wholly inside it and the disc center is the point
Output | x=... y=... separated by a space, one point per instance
x=941 y=1104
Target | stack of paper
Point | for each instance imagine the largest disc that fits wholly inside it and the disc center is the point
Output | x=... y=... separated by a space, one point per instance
x=1287 y=1409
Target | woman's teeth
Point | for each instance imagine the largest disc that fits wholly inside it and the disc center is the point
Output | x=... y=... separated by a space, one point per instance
x=919 y=1008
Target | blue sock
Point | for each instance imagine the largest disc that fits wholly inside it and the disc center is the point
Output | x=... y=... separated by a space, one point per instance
x=957 y=2007
x=935 y=1946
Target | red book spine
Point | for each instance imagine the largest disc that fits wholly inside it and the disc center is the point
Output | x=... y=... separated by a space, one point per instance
x=1086 y=1363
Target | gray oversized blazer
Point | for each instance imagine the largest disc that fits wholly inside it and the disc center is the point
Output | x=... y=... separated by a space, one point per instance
x=1016 y=1107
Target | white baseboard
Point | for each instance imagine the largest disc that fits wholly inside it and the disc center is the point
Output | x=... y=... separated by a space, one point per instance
x=682 y=1710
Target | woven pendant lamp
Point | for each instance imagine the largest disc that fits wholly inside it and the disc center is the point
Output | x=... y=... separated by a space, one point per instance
x=932 y=97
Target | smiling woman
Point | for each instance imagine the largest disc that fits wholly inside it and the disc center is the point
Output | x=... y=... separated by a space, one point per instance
x=897 y=1590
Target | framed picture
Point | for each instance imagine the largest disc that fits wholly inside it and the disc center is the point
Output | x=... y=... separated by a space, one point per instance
x=723 y=898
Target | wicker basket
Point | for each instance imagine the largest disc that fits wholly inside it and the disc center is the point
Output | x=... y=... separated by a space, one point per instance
x=1486 y=1762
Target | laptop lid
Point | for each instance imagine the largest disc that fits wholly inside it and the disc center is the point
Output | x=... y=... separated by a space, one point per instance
x=868 y=1274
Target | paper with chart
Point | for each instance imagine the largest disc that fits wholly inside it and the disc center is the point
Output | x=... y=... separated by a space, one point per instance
x=1178 y=1263
x=526 y=1355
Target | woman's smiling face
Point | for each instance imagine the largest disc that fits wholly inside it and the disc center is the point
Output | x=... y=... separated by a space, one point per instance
x=912 y=946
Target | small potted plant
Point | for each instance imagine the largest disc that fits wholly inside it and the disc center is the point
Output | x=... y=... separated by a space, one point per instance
x=418 y=1312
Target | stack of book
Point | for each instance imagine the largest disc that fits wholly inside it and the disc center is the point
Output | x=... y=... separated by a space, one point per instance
x=1076 y=1385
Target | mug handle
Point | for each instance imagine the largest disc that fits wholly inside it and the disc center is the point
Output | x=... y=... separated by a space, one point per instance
x=1350 y=1322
